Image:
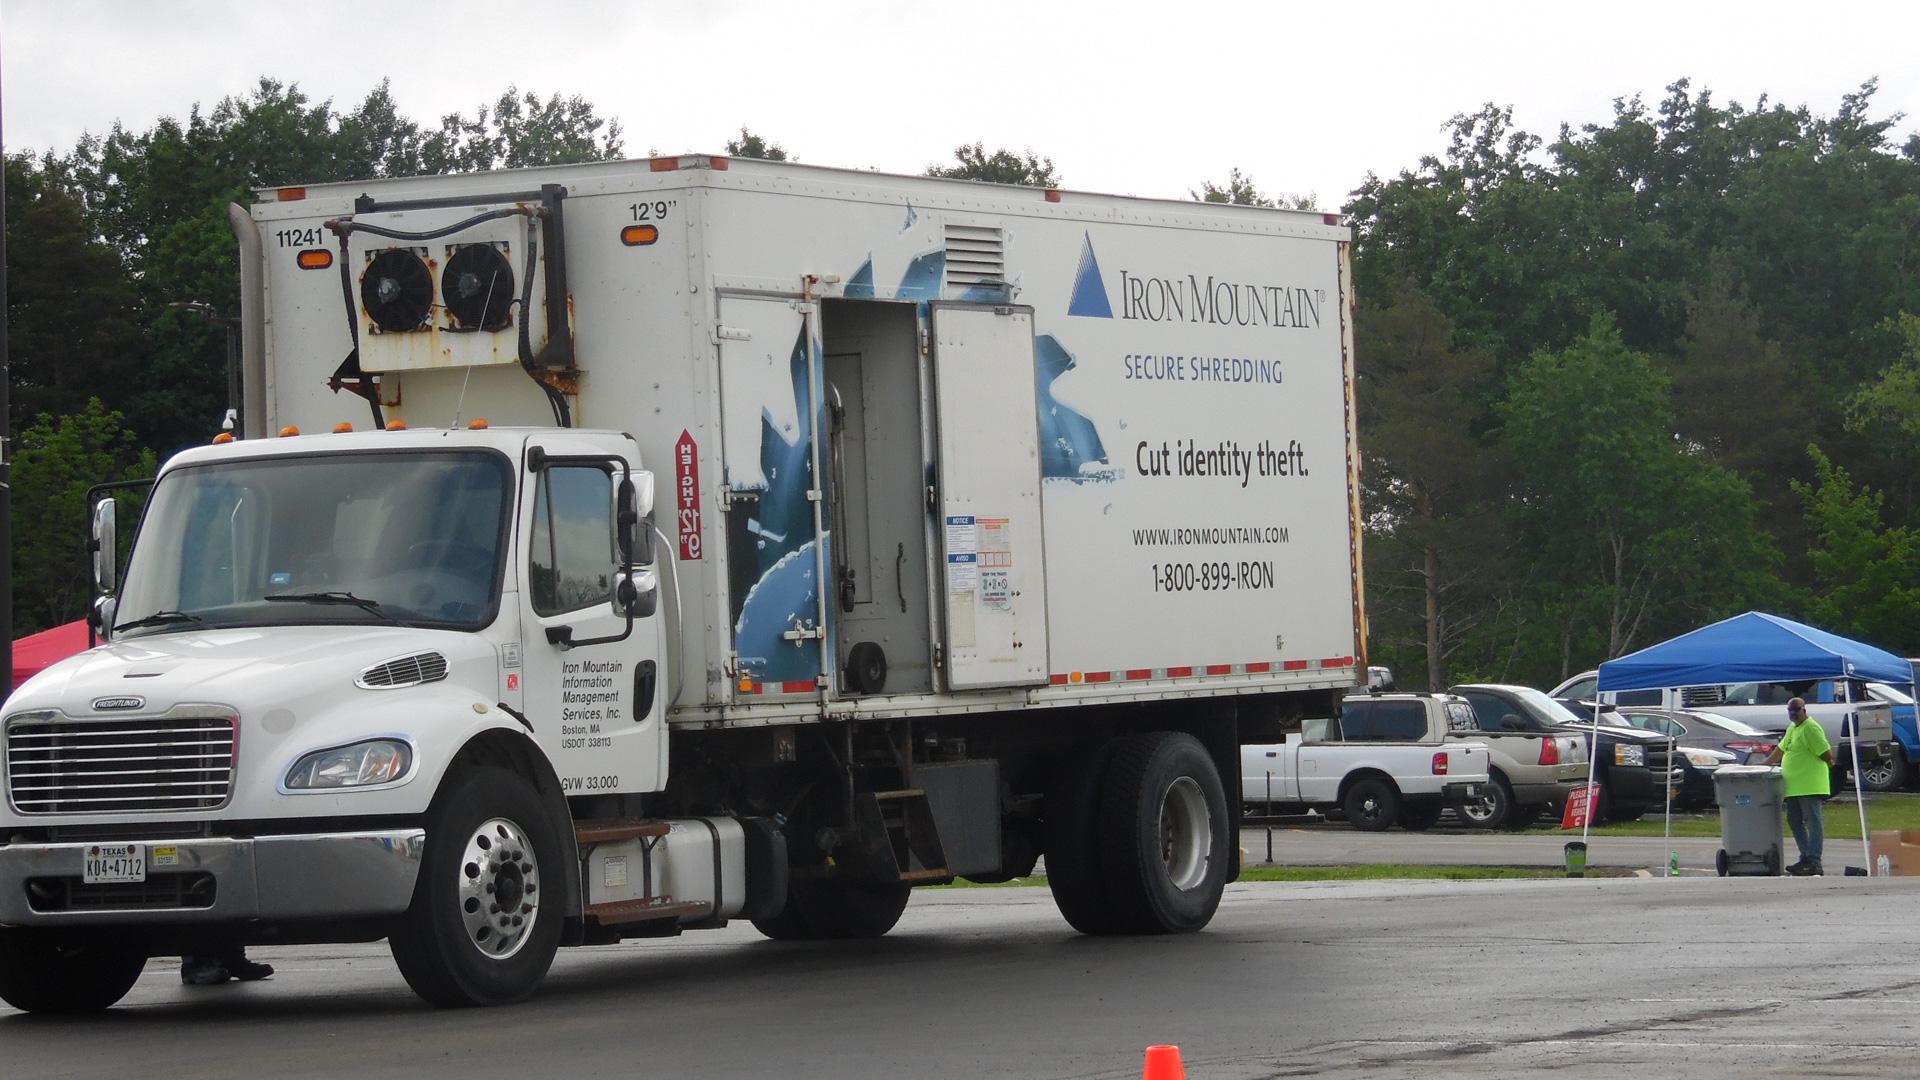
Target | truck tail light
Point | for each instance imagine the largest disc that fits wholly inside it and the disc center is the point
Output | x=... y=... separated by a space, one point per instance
x=1549 y=751
x=1752 y=747
x=1440 y=763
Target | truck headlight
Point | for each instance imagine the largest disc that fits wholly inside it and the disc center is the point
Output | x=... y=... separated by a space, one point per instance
x=1629 y=754
x=376 y=761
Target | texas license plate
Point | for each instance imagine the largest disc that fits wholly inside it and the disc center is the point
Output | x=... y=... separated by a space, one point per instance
x=114 y=864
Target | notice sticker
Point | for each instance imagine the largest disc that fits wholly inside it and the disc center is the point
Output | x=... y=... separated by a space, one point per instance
x=962 y=536
x=963 y=573
x=996 y=590
x=165 y=855
x=996 y=542
x=613 y=873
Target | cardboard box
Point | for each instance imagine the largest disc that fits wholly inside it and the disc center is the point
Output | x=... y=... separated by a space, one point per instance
x=1895 y=853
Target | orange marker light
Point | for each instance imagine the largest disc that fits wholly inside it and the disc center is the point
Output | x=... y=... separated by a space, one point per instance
x=289 y=431
x=342 y=428
x=396 y=425
x=636 y=235
x=314 y=259
x=223 y=438
x=290 y=194
x=663 y=164
x=478 y=423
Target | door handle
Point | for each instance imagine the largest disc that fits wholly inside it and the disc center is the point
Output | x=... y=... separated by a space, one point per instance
x=899 y=575
x=643 y=681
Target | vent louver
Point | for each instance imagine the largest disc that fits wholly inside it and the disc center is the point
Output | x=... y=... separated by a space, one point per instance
x=976 y=256
x=402 y=671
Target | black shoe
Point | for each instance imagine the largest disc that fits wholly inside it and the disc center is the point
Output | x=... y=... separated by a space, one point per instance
x=247 y=970
x=1796 y=869
x=203 y=971
x=1813 y=870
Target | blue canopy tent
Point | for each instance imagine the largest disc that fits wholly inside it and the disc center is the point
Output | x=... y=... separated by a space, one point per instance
x=1757 y=647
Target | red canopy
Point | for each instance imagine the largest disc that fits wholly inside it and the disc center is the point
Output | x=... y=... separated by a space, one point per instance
x=37 y=652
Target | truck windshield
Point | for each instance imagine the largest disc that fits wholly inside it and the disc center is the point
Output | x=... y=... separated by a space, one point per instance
x=406 y=537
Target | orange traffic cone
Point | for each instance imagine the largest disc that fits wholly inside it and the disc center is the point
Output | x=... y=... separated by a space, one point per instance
x=1163 y=1063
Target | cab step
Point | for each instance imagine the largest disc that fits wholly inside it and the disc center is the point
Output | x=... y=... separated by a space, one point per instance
x=611 y=830
x=659 y=907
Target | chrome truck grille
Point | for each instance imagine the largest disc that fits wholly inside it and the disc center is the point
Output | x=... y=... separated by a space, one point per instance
x=65 y=766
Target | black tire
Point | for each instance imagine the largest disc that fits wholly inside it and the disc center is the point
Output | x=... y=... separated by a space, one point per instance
x=1418 y=817
x=1887 y=774
x=1371 y=804
x=1720 y=864
x=788 y=924
x=1161 y=800
x=51 y=972
x=1773 y=863
x=1072 y=851
x=445 y=962
x=1492 y=809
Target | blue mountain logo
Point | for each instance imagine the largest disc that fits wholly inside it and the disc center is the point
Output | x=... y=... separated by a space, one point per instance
x=1089 y=292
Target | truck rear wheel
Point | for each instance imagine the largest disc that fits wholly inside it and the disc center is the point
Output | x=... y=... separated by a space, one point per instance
x=481 y=930
x=1071 y=840
x=51 y=972
x=1491 y=808
x=1887 y=774
x=1164 y=834
x=1371 y=804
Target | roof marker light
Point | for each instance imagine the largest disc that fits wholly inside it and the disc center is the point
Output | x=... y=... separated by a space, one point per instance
x=478 y=423
x=289 y=431
x=396 y=425
x=223 y=438
x=342 y=428
x=663 y=164
x=289 y=194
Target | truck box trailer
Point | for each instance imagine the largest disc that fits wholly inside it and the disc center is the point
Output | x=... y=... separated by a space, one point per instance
x=620 y=548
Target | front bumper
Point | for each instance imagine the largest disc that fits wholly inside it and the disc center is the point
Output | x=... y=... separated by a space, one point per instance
x=218 y=879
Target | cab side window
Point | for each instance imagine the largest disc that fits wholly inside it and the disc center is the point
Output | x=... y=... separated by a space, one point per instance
x=573 y=556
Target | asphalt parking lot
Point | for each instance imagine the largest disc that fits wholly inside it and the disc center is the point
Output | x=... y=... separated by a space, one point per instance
x=1696 y=977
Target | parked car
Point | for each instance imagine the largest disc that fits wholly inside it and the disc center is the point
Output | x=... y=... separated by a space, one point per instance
x=1763 y=705
x=1630 y=765
x=1703 y=742
x=1897 y=770
x=1385 y=760
x=1534 y=763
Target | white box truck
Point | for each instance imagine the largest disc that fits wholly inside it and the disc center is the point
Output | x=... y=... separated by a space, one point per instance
x=622 y=548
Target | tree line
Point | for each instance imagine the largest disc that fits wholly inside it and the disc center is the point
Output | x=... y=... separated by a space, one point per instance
x=1612 y=384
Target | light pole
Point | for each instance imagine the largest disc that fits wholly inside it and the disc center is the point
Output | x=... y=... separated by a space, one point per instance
x=211 y=315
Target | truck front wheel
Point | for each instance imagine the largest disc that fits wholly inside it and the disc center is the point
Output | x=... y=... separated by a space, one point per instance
x=485 y=923
x=54 y=972
x=1164 y=834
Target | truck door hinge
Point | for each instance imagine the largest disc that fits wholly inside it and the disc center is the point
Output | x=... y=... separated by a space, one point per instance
x=933 y=499
x=926 y=345
x=729 y=497
x=939 y=656
x=804 y=633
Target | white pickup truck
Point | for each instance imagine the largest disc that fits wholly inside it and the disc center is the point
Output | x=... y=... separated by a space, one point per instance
x=1384 y=760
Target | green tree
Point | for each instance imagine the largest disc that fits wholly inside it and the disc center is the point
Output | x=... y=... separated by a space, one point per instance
x=1431 y=483
x=972 y=162
x=1893 y=397
x=73 y=319
x=749 y=145
x=520 y=130
x=1866 y=573
x=1239 y=191
x=58 y=459
x=1632 y=535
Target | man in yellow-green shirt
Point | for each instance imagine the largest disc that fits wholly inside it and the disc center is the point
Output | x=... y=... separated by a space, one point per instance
x=1806 y=763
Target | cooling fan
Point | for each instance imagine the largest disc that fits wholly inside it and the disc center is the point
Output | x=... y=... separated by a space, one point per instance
x=397 y=290
x=477 y=288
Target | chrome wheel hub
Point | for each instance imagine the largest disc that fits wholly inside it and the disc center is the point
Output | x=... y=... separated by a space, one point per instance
x=1186 y=833
x=499 y=888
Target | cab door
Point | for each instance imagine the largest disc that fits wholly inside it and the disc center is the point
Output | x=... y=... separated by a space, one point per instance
x=589 y=602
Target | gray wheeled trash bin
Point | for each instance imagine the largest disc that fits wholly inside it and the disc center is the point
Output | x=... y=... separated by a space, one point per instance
x=1751 y=800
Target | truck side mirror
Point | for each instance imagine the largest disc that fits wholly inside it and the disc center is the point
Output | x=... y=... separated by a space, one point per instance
x=637 y=596
x=106 y=550
x=634 y=518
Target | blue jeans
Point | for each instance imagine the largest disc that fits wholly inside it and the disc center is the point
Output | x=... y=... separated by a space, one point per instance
x=1804 y=816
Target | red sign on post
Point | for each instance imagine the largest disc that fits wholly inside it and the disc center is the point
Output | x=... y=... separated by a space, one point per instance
x=686 y=494
x=1579 y=800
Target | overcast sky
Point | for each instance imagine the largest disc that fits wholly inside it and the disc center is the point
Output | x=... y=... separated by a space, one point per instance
x=1138 y=98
